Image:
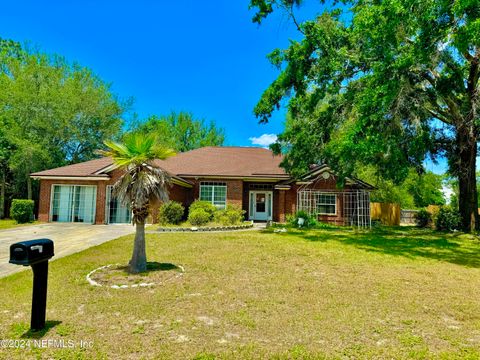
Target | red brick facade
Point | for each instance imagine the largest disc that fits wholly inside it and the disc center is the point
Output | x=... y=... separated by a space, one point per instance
x=284 y=201
x=237 y=194
x=176 y=193
x=234 y=189
x=45 y=197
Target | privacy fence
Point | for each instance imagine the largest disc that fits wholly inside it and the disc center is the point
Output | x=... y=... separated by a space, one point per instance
x=392 y=215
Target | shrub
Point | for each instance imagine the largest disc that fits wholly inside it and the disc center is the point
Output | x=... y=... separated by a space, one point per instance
x=22 y=210
x=171 y=213
x=209 y=208
x=198 y=217
x=423 y=218
x=447 y=219
x=309 y=221
x=230 y=216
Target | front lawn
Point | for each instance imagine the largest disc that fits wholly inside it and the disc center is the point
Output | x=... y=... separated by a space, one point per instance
x=393 y=293
x=9 y=223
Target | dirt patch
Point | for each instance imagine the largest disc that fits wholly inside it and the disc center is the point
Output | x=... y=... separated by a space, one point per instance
x=117 y=275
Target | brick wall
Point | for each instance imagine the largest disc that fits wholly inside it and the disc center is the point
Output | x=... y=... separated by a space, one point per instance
x=291 y=200
x=279 y=211
x=284 y=201
x=177 y=193
x=234 y=190
x=45 y=195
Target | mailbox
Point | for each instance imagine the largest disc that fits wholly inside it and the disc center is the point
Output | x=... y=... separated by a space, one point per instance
x=35 y=253
x=31 y=252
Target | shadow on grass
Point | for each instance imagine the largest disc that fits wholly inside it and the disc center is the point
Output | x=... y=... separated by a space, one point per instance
x=31 y=334
x=151 y=267
x=458 y=248
x=156 y=266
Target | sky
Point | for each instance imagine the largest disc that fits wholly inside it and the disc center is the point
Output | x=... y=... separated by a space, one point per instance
x=205 y=57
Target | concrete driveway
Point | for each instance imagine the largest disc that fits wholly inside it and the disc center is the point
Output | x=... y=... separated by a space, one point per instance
x=69 y=238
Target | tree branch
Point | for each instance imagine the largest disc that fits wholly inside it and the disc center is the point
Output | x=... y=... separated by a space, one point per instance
x=289 y=10
x=440 y=116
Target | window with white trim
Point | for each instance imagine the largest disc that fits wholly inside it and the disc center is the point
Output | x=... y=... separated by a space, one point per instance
x=215 y=193
x=326 y=204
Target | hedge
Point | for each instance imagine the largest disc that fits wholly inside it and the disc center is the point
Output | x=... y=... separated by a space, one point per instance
x=22 y=210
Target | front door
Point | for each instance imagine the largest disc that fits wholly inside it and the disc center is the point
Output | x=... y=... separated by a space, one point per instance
x=260 y=205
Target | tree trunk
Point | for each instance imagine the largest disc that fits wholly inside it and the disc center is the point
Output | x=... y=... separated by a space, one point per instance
x=138 y=263
x=2 y=196
x=467 y=199
x=29 y=187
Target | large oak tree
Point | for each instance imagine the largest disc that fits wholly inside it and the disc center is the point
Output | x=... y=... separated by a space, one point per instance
x=383 y=82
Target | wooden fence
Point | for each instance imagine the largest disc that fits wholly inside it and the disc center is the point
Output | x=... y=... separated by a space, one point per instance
x=387 y=213
x=391 y=214
x=407 y=217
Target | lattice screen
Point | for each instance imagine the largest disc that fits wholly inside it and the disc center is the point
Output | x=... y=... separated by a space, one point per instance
x=353 y=209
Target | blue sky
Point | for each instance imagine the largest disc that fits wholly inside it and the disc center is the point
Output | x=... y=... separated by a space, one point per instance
x=204 y=57
x=199 y=56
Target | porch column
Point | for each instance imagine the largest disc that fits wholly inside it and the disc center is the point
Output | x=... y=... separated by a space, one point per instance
x=44 y=200
x=281 y=206
x=101 y=199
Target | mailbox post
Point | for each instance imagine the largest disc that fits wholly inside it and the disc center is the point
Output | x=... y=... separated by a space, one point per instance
x=35 y=253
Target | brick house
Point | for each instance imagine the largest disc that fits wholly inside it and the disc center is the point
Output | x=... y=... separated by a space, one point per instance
x=245 y=176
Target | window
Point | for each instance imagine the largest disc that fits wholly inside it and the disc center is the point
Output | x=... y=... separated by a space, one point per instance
x=214 y=192
x=326 y=204
x=73 y=203
x=265 y=187
x=117 y=212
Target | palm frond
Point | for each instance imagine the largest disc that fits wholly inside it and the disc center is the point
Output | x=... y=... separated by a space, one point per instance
x=143 y=181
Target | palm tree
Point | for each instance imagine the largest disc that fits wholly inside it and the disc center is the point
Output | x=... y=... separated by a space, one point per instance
x=142 y=183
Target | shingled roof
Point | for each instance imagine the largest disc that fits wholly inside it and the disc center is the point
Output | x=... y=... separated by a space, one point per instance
x=225 y=161
x=86 y=169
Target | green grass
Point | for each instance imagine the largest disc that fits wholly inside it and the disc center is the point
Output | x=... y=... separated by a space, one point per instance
x=8 y=223
x=334 y=294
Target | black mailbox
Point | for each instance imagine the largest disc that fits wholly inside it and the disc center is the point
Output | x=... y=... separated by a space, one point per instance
x=31 y=252
x=35 y=253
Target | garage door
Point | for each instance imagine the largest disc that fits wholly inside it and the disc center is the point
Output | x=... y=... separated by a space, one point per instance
x=73 y=203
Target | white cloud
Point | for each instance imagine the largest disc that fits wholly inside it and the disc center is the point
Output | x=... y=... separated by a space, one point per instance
x=264 y=140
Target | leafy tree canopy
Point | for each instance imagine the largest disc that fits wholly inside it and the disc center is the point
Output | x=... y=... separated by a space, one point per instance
x=51 y=113
x=417 y=191
x=181 y=131
x=386 y=83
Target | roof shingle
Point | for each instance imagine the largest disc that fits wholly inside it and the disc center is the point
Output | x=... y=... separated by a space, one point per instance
x=87 y=168
x=207 y=161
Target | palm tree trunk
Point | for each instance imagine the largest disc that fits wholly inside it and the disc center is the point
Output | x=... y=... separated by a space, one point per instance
x=138 y=263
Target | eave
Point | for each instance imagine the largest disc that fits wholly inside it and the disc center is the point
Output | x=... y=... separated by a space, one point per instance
x=66 y=177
